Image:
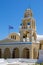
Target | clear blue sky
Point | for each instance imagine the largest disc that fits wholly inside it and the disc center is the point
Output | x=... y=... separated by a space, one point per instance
x=12 y=12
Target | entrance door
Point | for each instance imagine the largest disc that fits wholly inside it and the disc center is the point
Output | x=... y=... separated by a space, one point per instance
x=26 y=53
x=15 y=53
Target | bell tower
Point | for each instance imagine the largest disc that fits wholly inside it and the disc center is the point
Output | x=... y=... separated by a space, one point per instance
x=28 y=27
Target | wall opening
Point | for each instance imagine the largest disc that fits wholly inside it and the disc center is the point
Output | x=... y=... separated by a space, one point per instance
x=7 y=53
x=26 y=53
x=15 y=53
x=0 y=53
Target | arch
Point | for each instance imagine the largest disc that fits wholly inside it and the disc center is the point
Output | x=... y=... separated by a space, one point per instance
x=0 y=53
x=35 y=53
x=7 y=53
x=15 y=53
x=26 y=53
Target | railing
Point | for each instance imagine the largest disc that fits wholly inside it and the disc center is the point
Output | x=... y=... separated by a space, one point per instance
x=26 y=40
x=25 y=28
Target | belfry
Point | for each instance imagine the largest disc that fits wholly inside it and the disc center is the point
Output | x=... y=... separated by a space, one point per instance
x=28 y=27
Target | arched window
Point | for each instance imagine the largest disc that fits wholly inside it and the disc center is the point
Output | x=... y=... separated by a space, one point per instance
x=13 y=36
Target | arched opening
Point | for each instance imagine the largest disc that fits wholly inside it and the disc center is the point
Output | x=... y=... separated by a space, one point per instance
x=38 y=55
x=7 y=53
x=0 y=53
x=35 y=53
x=40 y=46
x=15 y=53
x=26 y=53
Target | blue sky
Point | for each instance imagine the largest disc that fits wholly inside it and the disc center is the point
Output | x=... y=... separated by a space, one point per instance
x=12 y=12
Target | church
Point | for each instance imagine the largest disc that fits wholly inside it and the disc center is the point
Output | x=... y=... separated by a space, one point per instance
x=23 y=44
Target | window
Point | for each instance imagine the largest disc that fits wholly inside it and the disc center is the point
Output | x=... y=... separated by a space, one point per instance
x=28 y=23
x=13 y=37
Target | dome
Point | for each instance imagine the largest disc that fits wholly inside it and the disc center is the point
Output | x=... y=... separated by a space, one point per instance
x=28 y=13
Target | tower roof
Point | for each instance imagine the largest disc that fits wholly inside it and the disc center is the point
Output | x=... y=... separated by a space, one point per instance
x=28 y=13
